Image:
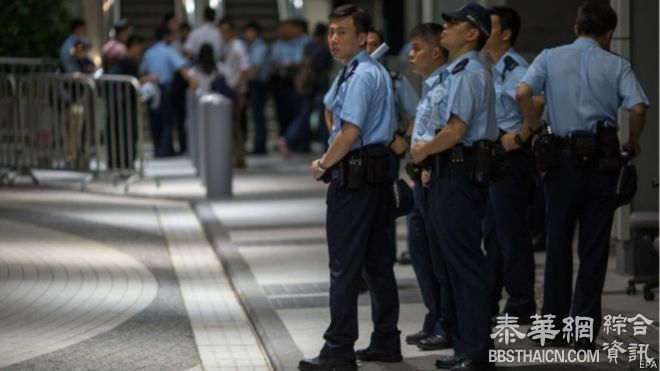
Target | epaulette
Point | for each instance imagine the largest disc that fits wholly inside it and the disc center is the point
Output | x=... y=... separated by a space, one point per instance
x=460 y=66
x=509 y=63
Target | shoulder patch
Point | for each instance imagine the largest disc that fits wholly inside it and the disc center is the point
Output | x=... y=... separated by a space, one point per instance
x=510 y=63
x=460 y=66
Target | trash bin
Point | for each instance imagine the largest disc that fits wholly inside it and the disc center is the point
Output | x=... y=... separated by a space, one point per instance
x=215 y=119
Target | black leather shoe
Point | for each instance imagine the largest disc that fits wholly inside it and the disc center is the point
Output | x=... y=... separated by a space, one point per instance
x=469 y=365
x=413 y=339
x=447 y=361
x=434 y=342
x=374 y=355
x=327 y=364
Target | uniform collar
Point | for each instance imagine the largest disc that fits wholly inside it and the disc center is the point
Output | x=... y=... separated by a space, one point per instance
x=434 y=76
x=473 y=54
x=586 y=42
x=499 y=66
x=359 y=57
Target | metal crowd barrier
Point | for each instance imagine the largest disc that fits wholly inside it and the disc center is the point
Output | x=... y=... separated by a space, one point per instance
x=21 y=66
x=121 y=117
x=9 y=147
x=56 y=123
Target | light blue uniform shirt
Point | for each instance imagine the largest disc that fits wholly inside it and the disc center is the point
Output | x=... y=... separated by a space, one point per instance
x=429 y=116
x=366 y=100
x=469 y=94
x=507 y=73
x=583 y=84
x=329 y=96
x=163 y=61
x=258 y=52
x=405 y=97
x=297 y=46
x=67 y=61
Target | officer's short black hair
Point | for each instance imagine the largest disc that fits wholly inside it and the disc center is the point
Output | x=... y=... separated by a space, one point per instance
x=162 y=31
x=430 y=32
x=134 y=39
x=381 y=39
x=209 y=14
x=184 y=26
x=595 y=18
x=253 y=25
x=167 y=17
x=227 y=21
x=361 y=19
x=509 y=20
x=77 y=23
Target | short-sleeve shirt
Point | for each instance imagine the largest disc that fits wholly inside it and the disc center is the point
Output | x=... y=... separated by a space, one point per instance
x=507 y=73
x=405 y=97
x=207 y=33
x=258 y=52
x=365 y=99
x=583 y=84
x=429 y=115
x=470 y=96
x=234 y=59
x=163 y=61
x=67 y=60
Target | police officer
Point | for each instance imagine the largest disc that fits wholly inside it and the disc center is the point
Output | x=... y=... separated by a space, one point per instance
x=405 y=105
x=509 y=246
x=356 y=165
x=164 y=61
x=428 y=59
x=584 y=85
x=457 y=199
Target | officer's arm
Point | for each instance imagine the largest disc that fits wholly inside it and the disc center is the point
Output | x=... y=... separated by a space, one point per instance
x=341 y=145
x=525 y=131
x=636 y=119
x=526 y=104
x=448 y=137
x=409 y=127
x=328 y=119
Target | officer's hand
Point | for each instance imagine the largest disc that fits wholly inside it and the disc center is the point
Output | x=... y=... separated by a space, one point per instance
x=418 y=152
x=632 y=148
x=508 y=141
x=426 y=178
x=399 y=145
x=316 y=172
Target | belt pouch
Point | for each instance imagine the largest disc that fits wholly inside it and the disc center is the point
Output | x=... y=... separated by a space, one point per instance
x=546 y=153
x=583 y=150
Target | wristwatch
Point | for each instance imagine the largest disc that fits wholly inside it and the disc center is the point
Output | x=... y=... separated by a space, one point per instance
x=320 y=166
x=518 y=139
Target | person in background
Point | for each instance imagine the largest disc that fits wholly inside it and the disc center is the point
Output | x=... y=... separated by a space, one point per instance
x=184 y=32
x=234 y=66
x=206 y=33
x=116 y=48
x=172 y=23
x=311 y=79
x=81 y=56
x=257 y=83
x=164 y=61
x=67 y=61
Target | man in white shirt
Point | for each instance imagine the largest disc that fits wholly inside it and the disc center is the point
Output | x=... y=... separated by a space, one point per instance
x=206 y=33
x=234 y=66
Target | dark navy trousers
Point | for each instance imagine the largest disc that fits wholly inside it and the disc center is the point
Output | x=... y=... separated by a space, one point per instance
x=507 y=240
x=457 y=207
x=585 y=197
x=356 y=226
x=423 y=249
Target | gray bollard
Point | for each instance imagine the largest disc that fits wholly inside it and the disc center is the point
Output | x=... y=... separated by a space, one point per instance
x=215 y=118
x=192 y=129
